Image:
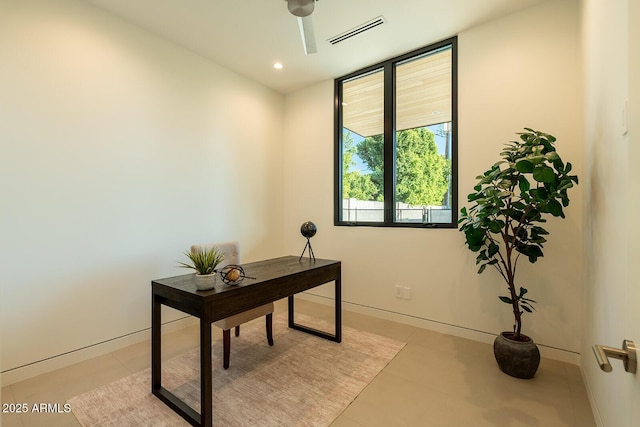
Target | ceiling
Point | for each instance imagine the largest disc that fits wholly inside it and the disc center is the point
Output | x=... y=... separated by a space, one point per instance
x=422 y=90
x=249 y=36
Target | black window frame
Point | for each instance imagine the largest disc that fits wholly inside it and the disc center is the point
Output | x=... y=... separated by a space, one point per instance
x=389 y=67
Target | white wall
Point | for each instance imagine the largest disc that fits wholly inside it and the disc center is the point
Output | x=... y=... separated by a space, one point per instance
x=118 y=150
x=612 y=199
x=525 y=70
x=521 y=70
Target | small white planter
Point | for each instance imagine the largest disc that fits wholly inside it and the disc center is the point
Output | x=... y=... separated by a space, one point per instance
x=204 y=282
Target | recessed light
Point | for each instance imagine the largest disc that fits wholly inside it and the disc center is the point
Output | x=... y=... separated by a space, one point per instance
x=277 y=66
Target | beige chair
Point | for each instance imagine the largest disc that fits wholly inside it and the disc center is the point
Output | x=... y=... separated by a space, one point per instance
x=231 y=253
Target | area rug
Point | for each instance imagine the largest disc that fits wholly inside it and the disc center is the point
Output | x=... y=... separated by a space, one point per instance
x=302 y=380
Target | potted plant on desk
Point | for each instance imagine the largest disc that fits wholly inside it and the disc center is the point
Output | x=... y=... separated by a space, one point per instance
x=204 y=262
x=511 y=200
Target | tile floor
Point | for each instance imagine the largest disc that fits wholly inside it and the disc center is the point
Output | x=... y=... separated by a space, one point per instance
x=436 y=380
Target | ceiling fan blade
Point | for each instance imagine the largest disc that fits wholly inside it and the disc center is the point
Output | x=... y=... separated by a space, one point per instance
x=308 y=36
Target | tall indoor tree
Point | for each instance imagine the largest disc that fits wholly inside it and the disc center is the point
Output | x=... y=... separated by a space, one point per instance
x=511 y=201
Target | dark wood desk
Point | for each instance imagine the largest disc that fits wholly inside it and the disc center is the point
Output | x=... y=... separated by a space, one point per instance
x=274 y=279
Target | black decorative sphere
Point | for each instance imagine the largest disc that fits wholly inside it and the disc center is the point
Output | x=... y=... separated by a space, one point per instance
x=308 y=229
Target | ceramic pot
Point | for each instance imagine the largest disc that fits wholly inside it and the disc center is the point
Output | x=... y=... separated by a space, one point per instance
x=519 y=359
x=204 y=282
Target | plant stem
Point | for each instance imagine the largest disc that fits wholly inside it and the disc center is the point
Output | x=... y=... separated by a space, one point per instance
x=510 y=244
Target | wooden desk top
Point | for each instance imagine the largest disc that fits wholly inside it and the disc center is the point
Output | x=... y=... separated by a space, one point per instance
x=274 y=279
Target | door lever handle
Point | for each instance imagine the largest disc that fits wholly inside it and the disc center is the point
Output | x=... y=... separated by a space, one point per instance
x=627 y=354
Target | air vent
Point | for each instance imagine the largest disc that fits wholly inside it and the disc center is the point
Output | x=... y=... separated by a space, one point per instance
x=357 y=30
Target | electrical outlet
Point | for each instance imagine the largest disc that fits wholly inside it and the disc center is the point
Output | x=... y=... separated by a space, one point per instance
x=399 y=292
x=403 y=292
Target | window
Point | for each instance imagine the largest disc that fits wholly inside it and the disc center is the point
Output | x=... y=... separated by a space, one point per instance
x=396 y=141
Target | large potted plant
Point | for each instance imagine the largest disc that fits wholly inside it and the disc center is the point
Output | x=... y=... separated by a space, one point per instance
x=510 y=203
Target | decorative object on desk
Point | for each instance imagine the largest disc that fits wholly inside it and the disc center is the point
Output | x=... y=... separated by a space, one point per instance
x=308 y=230
x=204 y=262
x=231 y=252
x=233 y=274
x=510 y=202
x=205 y=282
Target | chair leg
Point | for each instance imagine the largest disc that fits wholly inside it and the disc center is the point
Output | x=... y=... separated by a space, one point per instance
x=238 y=330
x=269 y=325
x=226 y=344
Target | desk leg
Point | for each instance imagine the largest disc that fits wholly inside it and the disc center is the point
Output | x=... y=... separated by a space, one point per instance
x=338 y=308
x=338 y=317
x=156 y=346
x=290 y=311
x=206 y=374
x=184 y=410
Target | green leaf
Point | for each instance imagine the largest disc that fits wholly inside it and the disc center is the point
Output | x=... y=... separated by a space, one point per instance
x=539 y=240
x=554 y=208
x=533 y=252
x=525 y=308
x=552 y=156
x=204 y=260
x=524 y=166
x=524 y=184
x=558 y=165
x=544 y=173
x=482 y=267
x=493 y=249
x=568 y=168
x=541 y=194
x=538 y=230
x=475 y=237
x=506 y=300
x=496 y=226
x=523 y=291
x=474 y=196
x=565 y=184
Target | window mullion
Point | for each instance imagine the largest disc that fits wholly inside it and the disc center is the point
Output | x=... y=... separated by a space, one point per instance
x=389 y=143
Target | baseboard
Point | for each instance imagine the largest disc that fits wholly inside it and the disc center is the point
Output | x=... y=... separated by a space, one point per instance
x=61 y=361
x=56 y=362
x=459 y=331
x=592 y=400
